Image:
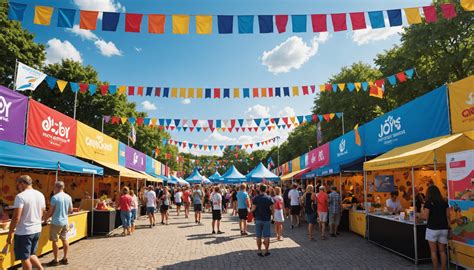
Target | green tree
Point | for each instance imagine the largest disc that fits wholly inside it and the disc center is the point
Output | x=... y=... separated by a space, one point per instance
x=16 y=43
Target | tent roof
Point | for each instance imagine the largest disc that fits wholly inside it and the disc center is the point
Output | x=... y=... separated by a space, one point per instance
x=195 y=177
x=182 y=182
x=290 y=175
x=233 y=175
x=420 y=153
x=151 y=178
x=24 y=156
x=261 y=172
x=215 y=176
x=125 y=172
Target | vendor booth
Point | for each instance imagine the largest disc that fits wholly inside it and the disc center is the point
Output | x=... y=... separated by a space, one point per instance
x=232 y=176
x=215 y=177
x=261 y=174
x=195 y=178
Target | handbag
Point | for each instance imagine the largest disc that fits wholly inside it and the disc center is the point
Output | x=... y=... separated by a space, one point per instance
x=250 y=217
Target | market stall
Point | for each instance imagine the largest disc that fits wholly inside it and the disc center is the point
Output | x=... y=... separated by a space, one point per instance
x=231 y=176
x=409 y=170
x=261 y=174
x=195 y=177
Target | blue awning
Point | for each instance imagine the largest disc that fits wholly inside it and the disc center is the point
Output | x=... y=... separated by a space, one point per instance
x=331 y=168
x=24 y=156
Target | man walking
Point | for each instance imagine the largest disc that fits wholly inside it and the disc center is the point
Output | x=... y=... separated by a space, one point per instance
x=61 y=207
x=197 y=200
x=150 y=200
x=243 y=204
x=322 y=199
x=295 y=208
x=216 y=200
x=262 y=207
x=334 y=211
x=29 y=208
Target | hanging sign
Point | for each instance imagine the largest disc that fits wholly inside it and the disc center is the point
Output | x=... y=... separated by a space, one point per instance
x=318 y=157
x=461 y=97
x=12 y=115
x=50 y=129
x=135 y=159
x=95 y=145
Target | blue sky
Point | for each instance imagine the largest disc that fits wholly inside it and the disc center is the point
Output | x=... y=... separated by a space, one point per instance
x=218 y=60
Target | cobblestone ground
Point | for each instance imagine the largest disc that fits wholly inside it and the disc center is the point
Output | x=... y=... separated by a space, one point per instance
x=184 y=245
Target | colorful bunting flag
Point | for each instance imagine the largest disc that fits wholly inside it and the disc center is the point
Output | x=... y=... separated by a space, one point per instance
x=203 y=25
x=265 y=23
x=281 y=21
x=88 y=19
x=180 y=24
x=156 y=23
x=245 y=24
x=299 y=23
x=413 y=15
x=225 y=24
x=319 y=23
x=358 y=20
x=66 y=17
x=133 y=22
x=43 y=15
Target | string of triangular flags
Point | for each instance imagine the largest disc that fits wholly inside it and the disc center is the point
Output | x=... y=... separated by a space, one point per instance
x=216 y=147
x=223 y=125
x=222 y=93
x=66 y=18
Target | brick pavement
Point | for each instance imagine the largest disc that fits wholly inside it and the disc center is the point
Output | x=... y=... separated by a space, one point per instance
x=184 y=245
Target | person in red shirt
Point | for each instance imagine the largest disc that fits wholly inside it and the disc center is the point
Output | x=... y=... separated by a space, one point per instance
x=322 y=199
x=125 y=205
x=186 y=201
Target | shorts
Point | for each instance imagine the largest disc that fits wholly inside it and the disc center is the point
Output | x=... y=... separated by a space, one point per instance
x=134 y=215
x=126 y=217
x=164 y=208
x=311 y=218
x=323 y=216
x=197 y=207
x=440 y=236
x=216 y=215
x=178 y=204
x=262 y=229
x=243 y=213
x=58 y=232
x=334 y=218
x=295 y=210
x=24 y=246
x=150 y=210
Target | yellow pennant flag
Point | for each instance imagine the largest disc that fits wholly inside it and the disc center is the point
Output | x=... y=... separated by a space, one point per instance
x=199 y=93
x=190 y=92
x=174 y=92
x=296 y=91
x=182 y=92
x=413 y=15
x=43 y=15
x=204 y=25
x=357 y=86
x=124 y=120
x=61 y=85
x=331 y=115
x=341 y=86
x=180 y=24
x=153 y=121
x=122 y=89
x=468 y=5
x=322 y=88
x=223 y=129
x=264 y=92
x=293 y=119
x=236 y=92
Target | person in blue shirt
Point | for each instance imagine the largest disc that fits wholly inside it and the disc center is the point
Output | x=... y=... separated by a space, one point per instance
x=243 y=203
x=262 y=207
x=61 y=207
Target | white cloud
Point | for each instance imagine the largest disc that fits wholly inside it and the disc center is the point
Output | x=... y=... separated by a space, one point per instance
x=102 y=5
x=107 y=49
x=365 y=36
x=139 y=50
x=287 y=111
x=292 y=53
x=258 y=111
x=218 y=137
x=186 y=101
x=147 y=105
x=57 y=50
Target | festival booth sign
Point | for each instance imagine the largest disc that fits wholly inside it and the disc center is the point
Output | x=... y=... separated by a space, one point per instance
x=95 y=145
x=13 y=108
x=460 y=172
x=135 y=159
x=50 y=129
x=317 y=158
x=461 y=98
x=423 y=118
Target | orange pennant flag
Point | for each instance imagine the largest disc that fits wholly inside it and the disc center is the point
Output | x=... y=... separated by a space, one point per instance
x=156 y=23
x=357 y=135
x=88 y=19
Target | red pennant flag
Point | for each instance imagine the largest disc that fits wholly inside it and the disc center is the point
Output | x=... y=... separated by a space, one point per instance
x=115 y=120
x=217 y=93
x=230 y=129
x=449 y=10
x=215 y=147
x=140 y=121
x=255 y=128
x=131 y=90
x=281 y=22
x=140 y=90
x=319 y=22
x=232 y=123
x=270 y=92
x=172 y=128
x=237 y=129
x=160 y=127
x=255 y=92
x=191 y=129
x=339 y=22
x=212 y=129
x=83 y=87
x=236 y=155
x=430 y=14
x=401 y=76
x=205 y=128
x=328 y=86
x=210 y=123
x=285 y=120
x=104 y=89
x=380 y=82
x=327 y=117
x=194 y=121
x=313 y=89
x=133 y=22
x=305 y=90
x=157 y=91
x=358 y=20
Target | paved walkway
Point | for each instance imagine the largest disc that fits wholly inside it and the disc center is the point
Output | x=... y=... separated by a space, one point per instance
x=184 y=245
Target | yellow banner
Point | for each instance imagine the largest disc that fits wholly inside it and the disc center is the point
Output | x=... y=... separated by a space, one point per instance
x=93 y=144
x=295 y=164
x=461 y=99
x=157 y=167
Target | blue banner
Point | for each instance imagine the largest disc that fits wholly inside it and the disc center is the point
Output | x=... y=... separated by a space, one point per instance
x=420 y=119
x=345 y=149
x=150 y=165
x=121 y=156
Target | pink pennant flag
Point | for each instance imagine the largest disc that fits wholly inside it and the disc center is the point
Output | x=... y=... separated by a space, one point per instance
x=319 y=23
x=358 y=20
x=449 y=10
x=430 y=14
x=339 y=22
x=281 y=22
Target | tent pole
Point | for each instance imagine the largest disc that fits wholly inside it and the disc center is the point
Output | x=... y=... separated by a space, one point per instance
x=414 y=213
x=366 y=208
x=75 y=105
x=340 y=183
x=92 y=204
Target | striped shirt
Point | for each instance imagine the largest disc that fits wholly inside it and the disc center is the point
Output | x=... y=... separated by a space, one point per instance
x=334 y=202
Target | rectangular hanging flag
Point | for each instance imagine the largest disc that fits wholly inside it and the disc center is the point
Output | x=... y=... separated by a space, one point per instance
x=174 y=92
x=88 y=19
x=376 y=19
x=265 y=23
x=467 y=5
x=180 y=24
x=286 y=91
x=156 y=23
x=66 y=17
x=281 y=22
x=27 y=78
x=12 y=115
x=208 y=93
x=190 y=92
x=296 y=91
x=413 y=15
x=203 y=25
x=319 y=23
x=43 y=15
x=133 y=22
x=225 y=23
x=226 y=93
x=339 y=22
x=449 y=10
x=199 y=93
x=358 y=20
x=16 y=11
x=461 y=100
x=182 y=92
x=110 y=21
x=299 y=23
x=245 y=24
x=430 y=14
x=394 y=17
x=217 y=93
x=255 y=92
x=236 y=93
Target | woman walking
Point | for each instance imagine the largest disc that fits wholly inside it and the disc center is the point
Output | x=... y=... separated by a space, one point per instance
x=178 y=200
x=134 y=210
x=125 y=205
x=165 y=203
x=278 y=215
x=186 y=201
x=310 y=208
x=436 y=211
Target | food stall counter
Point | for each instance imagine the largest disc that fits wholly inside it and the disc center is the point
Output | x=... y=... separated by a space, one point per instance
x=358 y=222
x=77 y=231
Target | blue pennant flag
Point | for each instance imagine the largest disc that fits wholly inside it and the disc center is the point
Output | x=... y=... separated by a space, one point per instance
x=300 y=118
x=16 y=11
x=178 y=128
x=365 y=85
x=164 y=141
x=246 y=93
x=74 y=87
x=221 y=147
x=320 y=118
x=66 y=17
x=92 y=88
x=161 y=122
x=146 y=121
x=258 y=121
x=392 y=80
x=166 y=91
x=112 y=89
x=241 y=122
x=198 y=129
x=149 y=90
x=265 y=23
x=185 y=128
x=208 y=93
x=286 y=91
x=218 y=123
x=334 y=87
x=225 y=23
x=376 y=19
x=176 y=122
x=168 y=122
x=410 y=72
x=245 y=24
x=131 y=120
x=51 y=81
x=339 y=115
x=277 y=92
x=226 y=93
x=350 y=86
x=299 y=23
x=200 y=147
x=395 y=17
x=110 y=21
x=309 y=118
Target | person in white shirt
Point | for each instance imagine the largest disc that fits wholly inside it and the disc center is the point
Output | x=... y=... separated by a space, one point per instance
x=295 y=208
x=150 y=198
x=178 y=199
x=134 y=209
x=29 y=207
x=216 y=200
x=393 y=204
